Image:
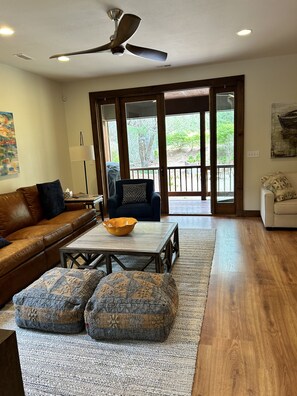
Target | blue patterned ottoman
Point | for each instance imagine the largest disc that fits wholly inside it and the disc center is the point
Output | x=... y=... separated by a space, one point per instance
x=132 y=305
x=56 y=301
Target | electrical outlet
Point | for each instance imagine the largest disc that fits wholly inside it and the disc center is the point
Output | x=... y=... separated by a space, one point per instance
x=253 y=154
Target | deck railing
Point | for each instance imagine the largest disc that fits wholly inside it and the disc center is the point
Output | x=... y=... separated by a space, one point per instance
x=189 y=180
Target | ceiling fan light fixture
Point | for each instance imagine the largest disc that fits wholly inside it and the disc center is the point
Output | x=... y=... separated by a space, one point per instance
x=124 y=30
x=244 y=32
x=119 y=50
x=63 y=58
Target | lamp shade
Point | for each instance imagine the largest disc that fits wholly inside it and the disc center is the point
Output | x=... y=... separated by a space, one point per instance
x=82 y=153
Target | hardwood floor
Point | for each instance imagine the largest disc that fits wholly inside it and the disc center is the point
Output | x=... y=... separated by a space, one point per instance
x=248 y=343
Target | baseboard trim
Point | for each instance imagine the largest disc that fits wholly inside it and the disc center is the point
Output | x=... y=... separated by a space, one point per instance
x=251 y=213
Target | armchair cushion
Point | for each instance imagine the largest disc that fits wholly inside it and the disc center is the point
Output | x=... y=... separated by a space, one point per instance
x=134 y=193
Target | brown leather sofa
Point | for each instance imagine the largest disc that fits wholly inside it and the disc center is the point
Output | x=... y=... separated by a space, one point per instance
x=35 y=241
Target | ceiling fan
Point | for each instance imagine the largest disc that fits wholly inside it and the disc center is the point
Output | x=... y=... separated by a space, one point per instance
x=125 y=27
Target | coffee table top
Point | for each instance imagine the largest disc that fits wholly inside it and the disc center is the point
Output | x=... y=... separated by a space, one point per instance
x=147 y=237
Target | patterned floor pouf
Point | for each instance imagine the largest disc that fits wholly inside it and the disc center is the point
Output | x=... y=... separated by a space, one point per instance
x=56 y=301
x=132 y=305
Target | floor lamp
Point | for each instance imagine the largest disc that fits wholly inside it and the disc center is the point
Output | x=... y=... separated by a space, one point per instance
x=82 y=153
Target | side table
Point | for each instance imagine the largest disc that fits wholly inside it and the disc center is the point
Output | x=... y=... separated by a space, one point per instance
x=11 y=383
x=89 y=200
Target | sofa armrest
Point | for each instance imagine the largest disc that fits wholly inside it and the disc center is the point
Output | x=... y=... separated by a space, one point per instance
x=267 y=207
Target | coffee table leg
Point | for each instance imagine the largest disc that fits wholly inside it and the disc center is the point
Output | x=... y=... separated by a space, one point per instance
x=63 y=260
x=159 y=264
x=169 y=254
x=108 y=264
x=176 y=242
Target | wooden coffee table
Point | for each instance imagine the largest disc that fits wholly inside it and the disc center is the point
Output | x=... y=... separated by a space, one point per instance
x=157 y=241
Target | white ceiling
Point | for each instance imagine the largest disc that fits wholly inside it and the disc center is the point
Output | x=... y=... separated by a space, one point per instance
x=192 y=32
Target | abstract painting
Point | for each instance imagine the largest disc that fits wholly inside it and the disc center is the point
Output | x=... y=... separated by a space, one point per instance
x=9 y=163
x=284 y=130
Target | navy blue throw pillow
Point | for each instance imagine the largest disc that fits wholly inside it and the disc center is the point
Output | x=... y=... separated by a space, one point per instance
x=51 y=198
x=4 y=242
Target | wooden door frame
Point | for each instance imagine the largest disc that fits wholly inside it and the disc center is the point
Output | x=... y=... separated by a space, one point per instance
x=238 y=81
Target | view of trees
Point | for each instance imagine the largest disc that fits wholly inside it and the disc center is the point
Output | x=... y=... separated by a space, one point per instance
x=182 y=138
x=143 y=142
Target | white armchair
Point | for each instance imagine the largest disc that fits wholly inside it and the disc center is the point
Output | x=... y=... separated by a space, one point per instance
x=283 y=213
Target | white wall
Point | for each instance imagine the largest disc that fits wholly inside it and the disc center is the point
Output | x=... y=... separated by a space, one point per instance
x=42 y=119
x=267 y=81
x=40 y=128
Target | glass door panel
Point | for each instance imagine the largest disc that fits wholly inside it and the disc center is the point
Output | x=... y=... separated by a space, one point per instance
x=142 y=134
x=110 y=146
x=223 y=131
x=225 y=146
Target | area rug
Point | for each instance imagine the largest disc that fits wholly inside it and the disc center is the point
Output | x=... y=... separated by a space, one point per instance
x=76 y=365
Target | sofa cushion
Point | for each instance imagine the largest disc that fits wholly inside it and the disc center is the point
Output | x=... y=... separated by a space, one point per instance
x=31 y=196
x=132 y=305
x=4 y=242
x=280 y=186
x=51 y=198
x=12 y=256
x=14 y=213
x=77 y=218
x=288 y=207
x=56 y=301
x=50 y=233
x=134 y=193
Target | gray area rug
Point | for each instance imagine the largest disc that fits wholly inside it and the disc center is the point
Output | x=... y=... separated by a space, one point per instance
x=76 y=365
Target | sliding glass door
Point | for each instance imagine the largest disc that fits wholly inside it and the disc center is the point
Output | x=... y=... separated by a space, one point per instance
x=130 y=140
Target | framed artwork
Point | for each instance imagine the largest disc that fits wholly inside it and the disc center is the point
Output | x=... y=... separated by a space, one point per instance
x=284 y=130
x=9 y=162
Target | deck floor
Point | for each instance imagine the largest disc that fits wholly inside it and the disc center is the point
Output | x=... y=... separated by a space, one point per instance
x=189 y=206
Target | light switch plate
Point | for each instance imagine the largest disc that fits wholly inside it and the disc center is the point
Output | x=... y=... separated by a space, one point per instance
x=253 y=154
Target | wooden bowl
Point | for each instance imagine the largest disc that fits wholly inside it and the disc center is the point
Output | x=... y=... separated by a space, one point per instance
x=120 y=226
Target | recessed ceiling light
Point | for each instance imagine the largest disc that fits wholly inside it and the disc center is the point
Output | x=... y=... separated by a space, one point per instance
x=244 y=32
x=6 y=31
x=63 y=59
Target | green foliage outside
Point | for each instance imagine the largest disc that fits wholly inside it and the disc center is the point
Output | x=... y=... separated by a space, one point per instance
x=182 y=139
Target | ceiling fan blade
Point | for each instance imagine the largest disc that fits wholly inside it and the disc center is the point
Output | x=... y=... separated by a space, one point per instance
x=148 y=53
x=89 y=51
x=127 y=27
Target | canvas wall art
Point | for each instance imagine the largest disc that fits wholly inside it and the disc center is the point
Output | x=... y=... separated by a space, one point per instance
x=284 y=130
x=9 y=163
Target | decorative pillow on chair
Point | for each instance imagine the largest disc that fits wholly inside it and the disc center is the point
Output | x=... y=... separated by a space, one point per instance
x=4 y=242
x=280 y=186
x=134 y=193
x=51 y=198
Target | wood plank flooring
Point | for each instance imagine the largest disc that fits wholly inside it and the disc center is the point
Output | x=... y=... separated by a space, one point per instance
x=248 y=343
